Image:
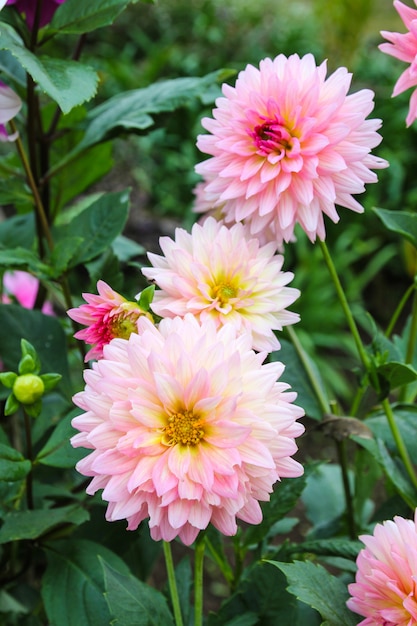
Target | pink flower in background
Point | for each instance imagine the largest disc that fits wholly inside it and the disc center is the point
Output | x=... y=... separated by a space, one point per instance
x=385 y=588
x=10 y=105
x=28 y=7
x=24 y=288
x=186 y=427
x=106 y=315
x=287 y=145
x=215 y=272
x=403 y=46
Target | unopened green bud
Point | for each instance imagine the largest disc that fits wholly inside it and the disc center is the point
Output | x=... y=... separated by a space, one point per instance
x=28 y=388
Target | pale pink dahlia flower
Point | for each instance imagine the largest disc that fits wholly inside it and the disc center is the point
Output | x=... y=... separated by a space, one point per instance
x=10 y=105
x=106 y=315
x=215 y=272
x=403 y=46
x=287 y=145
x=186 y=427
x=385 y=588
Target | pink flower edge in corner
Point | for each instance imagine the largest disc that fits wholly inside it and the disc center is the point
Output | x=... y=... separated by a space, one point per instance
x=186 y=426
x=384 y=591
x=403 y=46
x=286 y=145
x=28 y=7
x=24 y=288
x=220 y=273
x=107 y=315
x=10 y=105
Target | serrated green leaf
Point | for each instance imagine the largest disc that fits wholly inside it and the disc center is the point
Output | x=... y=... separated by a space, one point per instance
x=314 y=585
x=63 y=253
x=74 y=565
x=400 y=222
x=13 y=466
x=32 y=524
x=58 y=451
x=75 y=17
x=132 y=602
x=21 y=258
x=99 y=224
x=335 y=546
x=68 y=83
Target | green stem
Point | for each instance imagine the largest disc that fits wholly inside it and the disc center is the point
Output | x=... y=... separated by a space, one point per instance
x=411 y=345
x=402 y=450
x=198 y=581
x=172 y=583
x=345 y=305
x=343 y=460
x=29 y=451
x=321 y=398
x=32 y=184
x=399 y=309
x=399 y=442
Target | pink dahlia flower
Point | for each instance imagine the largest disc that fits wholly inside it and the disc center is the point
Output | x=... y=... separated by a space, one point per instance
x=186 y=427
x=106 y=315
x=10 y=105
x=28 y=7
x=385 y=588
x=287 y=145
x=215 y=272
x=403 y=46
x=24 y=288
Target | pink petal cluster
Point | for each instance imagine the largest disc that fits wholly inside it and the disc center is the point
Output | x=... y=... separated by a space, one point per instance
x=403 y=46
x=106 y=315
x=216 y=273
x=385 y=588
x=10 y=105
x=186 y=426
x=28 y=7
x=24 y=288
x=287 y=144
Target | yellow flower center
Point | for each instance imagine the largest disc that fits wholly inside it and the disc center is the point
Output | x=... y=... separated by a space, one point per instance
x=123 y=323
x=223 y=292
x=184 y=428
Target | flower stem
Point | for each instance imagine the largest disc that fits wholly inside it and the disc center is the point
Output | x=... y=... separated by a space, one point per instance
x=402 y=450
x=172 y=583
x=345 y=305
x=198 y=581
x=399 y=309
x=321 y=398
x=29 y=476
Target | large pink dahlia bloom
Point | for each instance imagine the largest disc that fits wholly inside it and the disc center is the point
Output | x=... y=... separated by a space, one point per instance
x=385 y=588
x=403 y=46
x=186 y=426
x=106 y=316
x=215 y=272
x=287 y=145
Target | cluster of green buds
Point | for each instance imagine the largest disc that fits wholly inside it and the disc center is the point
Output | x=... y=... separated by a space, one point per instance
x=27 y=386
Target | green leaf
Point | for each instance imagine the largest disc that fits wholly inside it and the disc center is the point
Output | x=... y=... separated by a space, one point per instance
x=132 y=602
x=99 y=224
x=17 y=231
x=406 y=421
x=21 y=258
x=75 y=566
x=133 y=110
x=44 y=332
x=126 y=249
x=32 y=524
x=75 y=17
x=294 y=374
x=69 y=83
x=400 y=222
x=63 y=254
x=314 y=585
x=335 y=546
x=13 y=466
x=58 y=451
x=396 y=374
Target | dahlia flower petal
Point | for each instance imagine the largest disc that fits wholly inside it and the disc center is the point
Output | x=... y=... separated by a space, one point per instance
x=173 y=467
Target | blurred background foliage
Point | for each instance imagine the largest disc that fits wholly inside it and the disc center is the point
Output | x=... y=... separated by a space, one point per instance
x=172 y=38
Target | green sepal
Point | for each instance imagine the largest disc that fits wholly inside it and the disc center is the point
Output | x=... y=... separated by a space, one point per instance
x=8 y=378
x=27 y=365
x=34 y=410
x=50 y=380
x=28 y=349
x=12 y=405
x=146 y=297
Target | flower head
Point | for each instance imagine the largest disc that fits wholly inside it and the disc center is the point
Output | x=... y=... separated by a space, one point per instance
x=215 y=272
x=106 y=315
x=24 y=288
x=384 y=591
x=186 y=427
x=10 y=105
x=287 y=145
x=403 y=46
x=28 y=7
